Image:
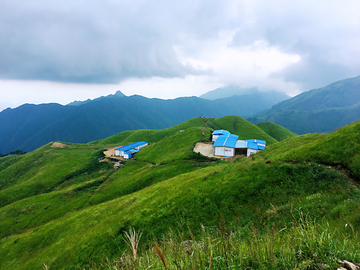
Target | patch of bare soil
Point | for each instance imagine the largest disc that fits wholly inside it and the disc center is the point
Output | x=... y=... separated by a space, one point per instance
x=59 y=145
x=110 y=152
x=205 y=149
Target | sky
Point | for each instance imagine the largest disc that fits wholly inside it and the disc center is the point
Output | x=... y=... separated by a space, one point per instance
x=61 y=51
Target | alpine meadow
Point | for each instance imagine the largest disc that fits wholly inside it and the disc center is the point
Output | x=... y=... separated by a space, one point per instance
x=294 y=205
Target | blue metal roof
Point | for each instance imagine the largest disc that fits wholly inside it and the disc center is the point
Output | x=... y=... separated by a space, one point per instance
x=241 y=144
x=220 y=132
x=256 y=144
x=130 y=155
x=130 y=146
x=227 y=141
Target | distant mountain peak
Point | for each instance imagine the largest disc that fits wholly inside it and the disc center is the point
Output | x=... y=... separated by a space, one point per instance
x=119 y=94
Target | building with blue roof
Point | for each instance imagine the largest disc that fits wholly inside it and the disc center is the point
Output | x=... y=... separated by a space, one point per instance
x=227 y=144
x=254 y=145
x=217 y=133
x=128 y=151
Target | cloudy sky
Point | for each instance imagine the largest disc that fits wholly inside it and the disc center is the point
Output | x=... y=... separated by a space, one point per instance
x=61 y=51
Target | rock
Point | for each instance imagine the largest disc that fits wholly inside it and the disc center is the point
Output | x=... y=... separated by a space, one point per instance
x=349 y=265
x=117 y=165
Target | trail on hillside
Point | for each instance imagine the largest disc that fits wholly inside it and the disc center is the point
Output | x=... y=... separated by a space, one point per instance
x=235 y=125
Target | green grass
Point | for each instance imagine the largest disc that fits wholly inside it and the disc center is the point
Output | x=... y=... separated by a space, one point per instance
x=150 y=136
x=341 y=147
x=276 y=131
x=176 y=147
x=7 y=161
x=86 y=206
x=304 y=243
x=138 y=175
x=186 y=200
x=44 y=170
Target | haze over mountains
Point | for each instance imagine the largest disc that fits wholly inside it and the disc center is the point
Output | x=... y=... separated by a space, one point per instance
x=31 y=126
x=234 y=90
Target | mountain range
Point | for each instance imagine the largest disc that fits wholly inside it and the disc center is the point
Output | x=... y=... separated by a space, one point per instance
x=30 y=126
x=318 y=110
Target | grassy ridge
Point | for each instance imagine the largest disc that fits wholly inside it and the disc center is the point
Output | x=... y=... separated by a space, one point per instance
x=277 y=132
x=150 y=136
x=169 y=188
x=176 y=147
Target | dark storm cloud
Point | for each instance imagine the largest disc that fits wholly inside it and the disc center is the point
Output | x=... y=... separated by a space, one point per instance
x=88 y=41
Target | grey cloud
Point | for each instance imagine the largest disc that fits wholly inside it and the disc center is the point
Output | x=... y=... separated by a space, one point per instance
x=323 y=37
x=108 y=41
x=104 y=43
x=313 y=72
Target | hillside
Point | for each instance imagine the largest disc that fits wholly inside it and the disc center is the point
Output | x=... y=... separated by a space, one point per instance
x=276 y=131
x=31 y=126
x=319 y=110
x=63 y=208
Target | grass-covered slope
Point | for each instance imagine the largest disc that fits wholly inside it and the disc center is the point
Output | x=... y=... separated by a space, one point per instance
x=276 y=131
x=84 y=214
x=176 y=147
x=148 y=135
x=43 y=170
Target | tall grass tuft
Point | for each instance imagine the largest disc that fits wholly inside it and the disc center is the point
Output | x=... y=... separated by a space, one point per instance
x=132 y=240
x=303 y=243
x=159 y=254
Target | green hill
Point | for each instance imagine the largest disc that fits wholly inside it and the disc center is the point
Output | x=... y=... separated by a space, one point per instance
x=63 y=208
x=276 y=131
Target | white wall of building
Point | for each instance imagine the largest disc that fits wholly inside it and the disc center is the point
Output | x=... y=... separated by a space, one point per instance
x=251 y=151
x=224 y=151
